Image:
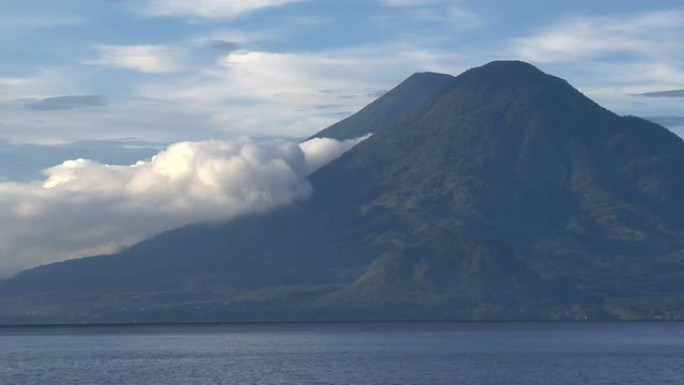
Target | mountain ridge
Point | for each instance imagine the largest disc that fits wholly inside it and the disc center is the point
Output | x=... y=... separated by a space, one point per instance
x=411 y=94
x=502 y=193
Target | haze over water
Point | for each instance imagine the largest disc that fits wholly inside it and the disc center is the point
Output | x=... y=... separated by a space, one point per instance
x=408 y=353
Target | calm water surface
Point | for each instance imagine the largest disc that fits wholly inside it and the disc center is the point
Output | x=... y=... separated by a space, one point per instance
x=412 y=353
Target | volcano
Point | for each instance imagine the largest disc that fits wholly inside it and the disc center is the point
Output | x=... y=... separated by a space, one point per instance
x=502 y=193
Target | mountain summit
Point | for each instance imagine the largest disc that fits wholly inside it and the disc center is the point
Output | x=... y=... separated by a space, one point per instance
x=502 y=193
x=409 y=96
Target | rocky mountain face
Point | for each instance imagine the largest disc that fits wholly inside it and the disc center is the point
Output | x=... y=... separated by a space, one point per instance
x=502 y=193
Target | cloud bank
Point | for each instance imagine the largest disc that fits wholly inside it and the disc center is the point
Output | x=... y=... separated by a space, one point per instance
x=84 y=208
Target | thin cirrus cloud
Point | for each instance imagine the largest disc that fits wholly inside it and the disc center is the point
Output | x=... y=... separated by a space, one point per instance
x=663 y=94
x=141 y=58
x=296 y=79
x=42 y=82
x=435 y=12
x=253 y=89
x=614 y=59
x=586 y=37
x=209 y=9
x=63 y=102
x=84 y=207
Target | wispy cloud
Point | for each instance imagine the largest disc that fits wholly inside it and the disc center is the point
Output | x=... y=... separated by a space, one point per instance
x=220 y=95
x=63 y=102
x=142 y=58
x=209 y=9
x=663 y=94
x=446 y=14
x=613 y=59
x=651 y=34
x=185 y=183
x=249 y=90
x=297 y=78
x=37 y=85
x=14 y=83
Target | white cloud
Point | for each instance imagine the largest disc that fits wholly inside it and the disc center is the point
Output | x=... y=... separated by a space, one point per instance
x=263 y=92
x=85 y=208
x=299 y=77
x=321 y=151
x=42 y=83
x=448 y=15
x=210 y=9
x=611 y=58
x=142 y=58
x=294 y=78
x=10 y=86
x=654 y=34
x=462 y=18
x=303 y=92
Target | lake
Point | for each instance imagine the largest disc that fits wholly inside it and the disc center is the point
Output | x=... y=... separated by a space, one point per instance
x=359 y=354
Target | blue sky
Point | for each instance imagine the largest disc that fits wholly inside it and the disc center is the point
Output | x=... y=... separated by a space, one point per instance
x=170 y=70
x=91 y=90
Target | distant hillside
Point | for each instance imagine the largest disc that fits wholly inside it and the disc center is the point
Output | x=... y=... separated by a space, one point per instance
x=503 y=193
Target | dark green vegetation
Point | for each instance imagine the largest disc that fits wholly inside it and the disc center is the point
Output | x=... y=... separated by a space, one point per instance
x=502 y=193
